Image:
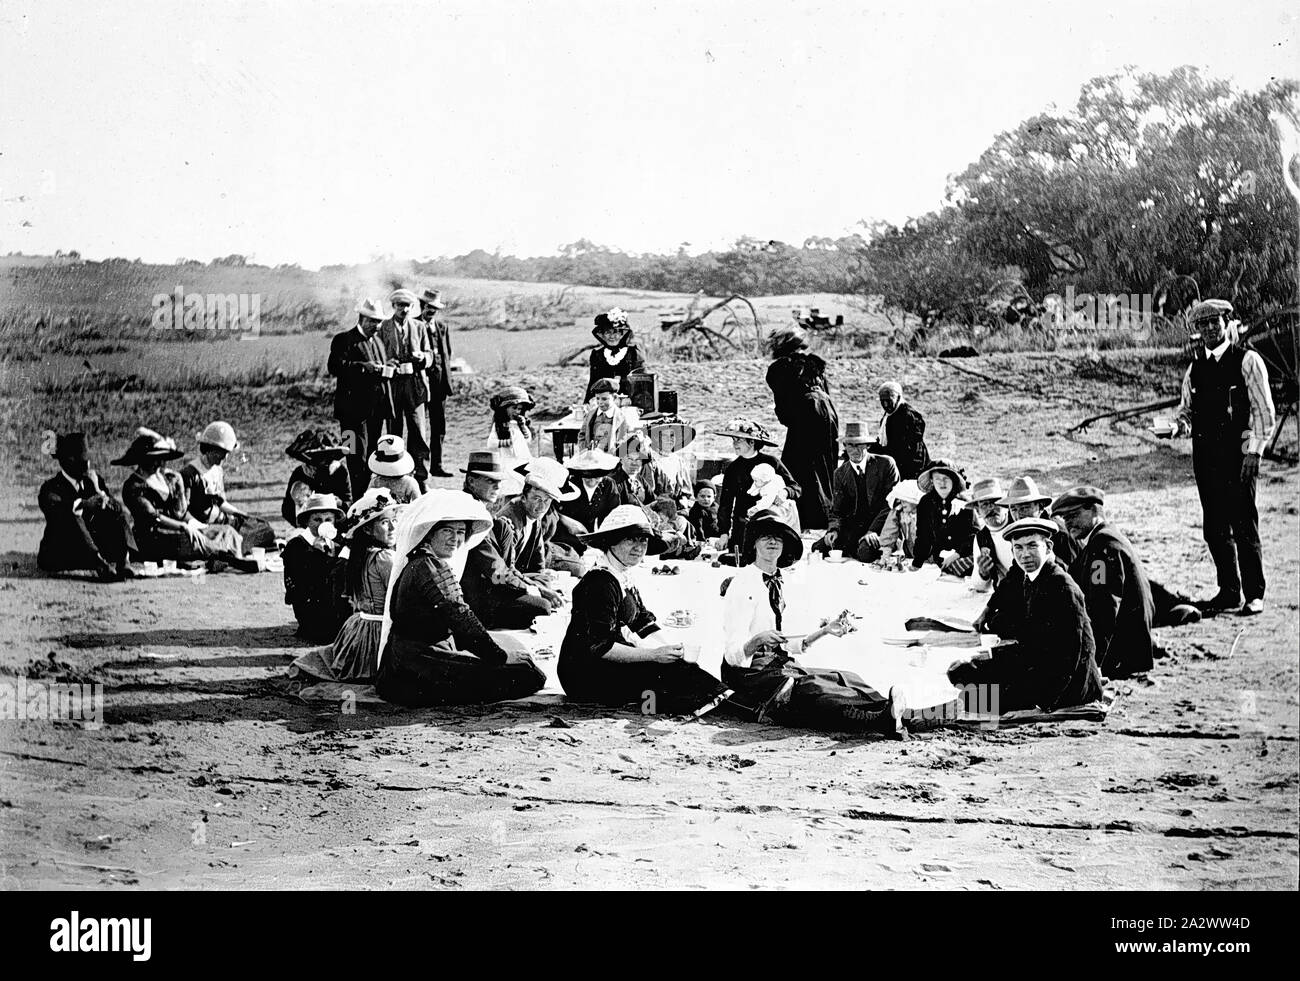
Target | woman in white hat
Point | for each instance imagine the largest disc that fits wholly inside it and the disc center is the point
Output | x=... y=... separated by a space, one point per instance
x=313 y=570
x=205 y=489
x=433 y=649
x=609 y=654
x=391 y=468
x=371 y=532
x=759 y=658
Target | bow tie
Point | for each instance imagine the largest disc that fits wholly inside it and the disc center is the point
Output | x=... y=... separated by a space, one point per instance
x=775 y=595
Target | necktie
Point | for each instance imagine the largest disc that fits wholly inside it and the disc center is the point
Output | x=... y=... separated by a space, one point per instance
x=775 y=595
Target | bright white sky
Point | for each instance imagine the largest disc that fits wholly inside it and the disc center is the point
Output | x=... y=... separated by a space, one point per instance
x=337 y=131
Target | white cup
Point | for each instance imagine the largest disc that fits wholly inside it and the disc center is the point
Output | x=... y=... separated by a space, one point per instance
x=691 y=651
x=835 y=554
x=169 y=565
x=257 y=554
x=406 y=368
x=388 y=371
x=150 y=567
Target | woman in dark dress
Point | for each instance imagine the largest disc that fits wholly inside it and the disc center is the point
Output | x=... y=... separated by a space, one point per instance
x=734 y=500
x=603 y=658
x=617 y=357
x=945 y=527
x=803 y=405
x=321 y=471
x=433 y=649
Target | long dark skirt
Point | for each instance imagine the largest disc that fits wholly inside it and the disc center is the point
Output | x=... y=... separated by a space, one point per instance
x=672 y=689
x=419 y=675
x=811 y=453
x=839 y=701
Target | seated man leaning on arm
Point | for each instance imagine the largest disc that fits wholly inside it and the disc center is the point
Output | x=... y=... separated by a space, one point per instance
x=1051 y=660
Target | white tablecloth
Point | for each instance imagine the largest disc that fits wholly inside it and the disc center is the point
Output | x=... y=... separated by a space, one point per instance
x=814 y=591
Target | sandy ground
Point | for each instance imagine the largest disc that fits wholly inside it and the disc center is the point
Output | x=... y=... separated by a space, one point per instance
x=206 y=773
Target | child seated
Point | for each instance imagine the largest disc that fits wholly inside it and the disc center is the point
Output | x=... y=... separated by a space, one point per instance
x=391 y=468
x=772 y=495
x=899 y=532
x=673 y=528
x=606 y=424
x=321 y=471
x=704 y=512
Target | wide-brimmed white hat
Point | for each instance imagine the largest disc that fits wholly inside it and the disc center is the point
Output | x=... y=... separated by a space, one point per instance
x=617 y=523
x=905 y=491
x=592 y=463
x=221 y=434
x=549 y=476
x=370 y=308
x=390 y=458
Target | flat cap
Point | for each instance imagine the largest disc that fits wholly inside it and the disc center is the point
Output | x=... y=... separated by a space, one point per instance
x=1078 y=497
x=1209 y=310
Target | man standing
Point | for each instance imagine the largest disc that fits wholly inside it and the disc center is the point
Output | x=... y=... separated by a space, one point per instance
x=85 y=528
x=902 y=433
x=362 y=400
x=407 y=343
x=1052 y=662
x=439 y=376
x=859 y=497
x=1114 y=584
x=1227 y=409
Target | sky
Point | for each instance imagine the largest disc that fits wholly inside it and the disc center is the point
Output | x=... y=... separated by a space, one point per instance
x=341 y=131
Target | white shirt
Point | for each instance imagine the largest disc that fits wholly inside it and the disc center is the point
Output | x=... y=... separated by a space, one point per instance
x=1217 y=352
x=747 y=610
x=1031 y=576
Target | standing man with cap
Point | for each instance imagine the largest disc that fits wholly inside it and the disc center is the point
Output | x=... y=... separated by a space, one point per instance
x=85 y=528
x=1227 y=409
x=1051 y=663
x=1114 y=584
x=859 y=497
x=902 y=433
x=439 y=335
x=363 y=402
x=408 y=346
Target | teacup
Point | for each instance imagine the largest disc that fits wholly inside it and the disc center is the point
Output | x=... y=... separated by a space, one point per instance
x=257 y=554
x=169 y=565
x=835 y=554
x=150 y=568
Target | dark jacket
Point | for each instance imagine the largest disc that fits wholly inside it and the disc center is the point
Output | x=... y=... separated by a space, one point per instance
x=1053 y=662
x=858 y=504
x=362 y=392
x=588 y=511
x=87 y=538
x=428 y=610
x=905 y=441
x=493 y=570
x=704 y=520
x=402 y=342
x=315 y=585
x=734 y=499
x=440 y=369
x=1118 y=598
x=939 y=526
x=601 y=368
x=336 y=482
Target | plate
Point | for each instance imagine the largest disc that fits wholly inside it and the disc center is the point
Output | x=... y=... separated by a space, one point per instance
x=834 y=561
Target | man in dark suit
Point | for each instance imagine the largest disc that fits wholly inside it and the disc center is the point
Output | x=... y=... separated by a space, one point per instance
x=859 y=498
x=362 y=400
x=902 y=433
x=439 y=376
x=85 y=528
x=1114 y=583
x=1051 y=663
x=408 y=345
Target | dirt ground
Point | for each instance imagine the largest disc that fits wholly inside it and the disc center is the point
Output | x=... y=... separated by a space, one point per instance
x=207 y=773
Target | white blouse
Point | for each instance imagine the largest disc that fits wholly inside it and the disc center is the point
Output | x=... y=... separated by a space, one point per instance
x=747 y=610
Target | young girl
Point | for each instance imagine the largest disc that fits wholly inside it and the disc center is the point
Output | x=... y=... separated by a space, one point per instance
x=370 y=529
x=311 y=570
x=606 y=425
x=944 y=528
x=772 y=495
x=511 y=434
x=899 y=531
x=391 y=468
x=320 y=471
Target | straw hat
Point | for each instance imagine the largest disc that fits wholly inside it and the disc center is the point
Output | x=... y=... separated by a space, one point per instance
x=432 y=298
x=742 y=428
x=926 y=481
x=370 y=308
x=1024 y=490
x=148 y=445
x=317 y=503
x=1029 y=526
x=668 y=437
x=592 y=463
x=390 y=458
x=770 y=523
x=988 y=489
x=856 y=433
x=375 y=503
x=220 y=434
x=549 y=476
x=618 y=523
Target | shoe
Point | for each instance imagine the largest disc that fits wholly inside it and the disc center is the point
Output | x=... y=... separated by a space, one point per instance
x=439 y=472
x=1220 y=603
x=108 y=574
x=779 y=700
x=711 y=704
x=1182 y=614
x=124 y=571
x=895 y=711
x=1252 y=608
x=243 y=564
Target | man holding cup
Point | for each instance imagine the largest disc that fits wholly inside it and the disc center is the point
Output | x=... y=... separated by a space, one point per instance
x=362 y=400
x=1227 y=409
x=410 y=353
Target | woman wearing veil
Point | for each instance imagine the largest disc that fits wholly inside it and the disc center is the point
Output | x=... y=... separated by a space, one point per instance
x=433 y=649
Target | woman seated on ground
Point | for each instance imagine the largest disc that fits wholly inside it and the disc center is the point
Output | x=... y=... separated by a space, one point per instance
x=369 y=528
x=591 y=471
x=85 y=527
x=155 y=497
x=759 y=659
x=320 y=471
x=945 y=531
x=609 y=654
x=434 y=650
x=205 y=489
x=313 y=570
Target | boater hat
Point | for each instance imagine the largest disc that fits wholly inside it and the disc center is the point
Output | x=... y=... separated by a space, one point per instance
x=148 y=445
x=390 y=458
x=221 y=435
x=770 y=523
x=433 y=298
x=856 y=433
x=926 y=481
x=592 y=463
x=1078 y=497
x=1024 y=490
x=1029 y=526
x=742 y=428
x=550 y=477
x=318 y=502
x=484 y=463
x=988 y=489
x=624 y=520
